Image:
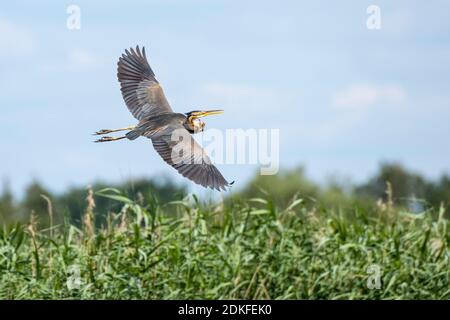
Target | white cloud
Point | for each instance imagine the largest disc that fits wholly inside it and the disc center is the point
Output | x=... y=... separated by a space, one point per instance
x=82 y=59
x=243 y=97
x=233 y=91
x=237 y=98
x=76 y=60
x=15 y=39
x=245 y=102
x=364 y=96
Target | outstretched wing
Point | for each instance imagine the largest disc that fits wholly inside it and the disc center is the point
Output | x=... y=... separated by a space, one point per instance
x=189 y=159
x=142 y=93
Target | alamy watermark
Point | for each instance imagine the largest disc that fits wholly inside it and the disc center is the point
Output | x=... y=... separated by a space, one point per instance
x=73 y=21
x=236 y=146
x=73 y=281
x=374 y=279
x=373 y=21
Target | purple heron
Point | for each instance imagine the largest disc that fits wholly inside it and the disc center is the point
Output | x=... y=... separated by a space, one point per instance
x=145 y=99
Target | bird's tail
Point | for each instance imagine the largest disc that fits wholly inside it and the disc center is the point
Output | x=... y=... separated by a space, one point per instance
x=133 y=134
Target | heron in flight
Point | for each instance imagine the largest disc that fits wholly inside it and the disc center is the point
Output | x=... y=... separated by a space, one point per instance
x=146 y=101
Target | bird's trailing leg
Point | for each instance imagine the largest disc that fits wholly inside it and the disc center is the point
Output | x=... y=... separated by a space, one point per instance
x=107 y=139
x=106 y=131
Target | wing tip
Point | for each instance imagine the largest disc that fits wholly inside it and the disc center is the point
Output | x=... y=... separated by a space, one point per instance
x=223 y=187
x=138 y=51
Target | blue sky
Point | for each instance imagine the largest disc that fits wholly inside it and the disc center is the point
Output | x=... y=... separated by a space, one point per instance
x=344 y=97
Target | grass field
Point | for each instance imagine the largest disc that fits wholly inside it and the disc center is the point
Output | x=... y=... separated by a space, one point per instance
x=247 y=249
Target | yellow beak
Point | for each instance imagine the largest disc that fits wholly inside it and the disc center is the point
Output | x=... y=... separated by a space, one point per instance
x=208 y=113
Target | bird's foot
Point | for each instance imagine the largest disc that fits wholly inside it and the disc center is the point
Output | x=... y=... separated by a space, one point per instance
x=103 y=131
x=106 y=139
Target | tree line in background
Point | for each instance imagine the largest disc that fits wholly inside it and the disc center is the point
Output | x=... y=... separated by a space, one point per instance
x=392 y=183
x=72 y=204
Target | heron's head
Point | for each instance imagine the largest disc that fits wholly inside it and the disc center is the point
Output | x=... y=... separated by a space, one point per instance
x=193 y=121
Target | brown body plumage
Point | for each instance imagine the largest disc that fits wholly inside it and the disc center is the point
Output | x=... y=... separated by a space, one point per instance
x=145 y=99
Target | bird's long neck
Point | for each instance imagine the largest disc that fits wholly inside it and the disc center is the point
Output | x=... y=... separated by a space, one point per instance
x=190 y=130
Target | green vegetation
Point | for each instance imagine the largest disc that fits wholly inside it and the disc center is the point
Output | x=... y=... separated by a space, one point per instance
x=229 y=252
x=281 y=237
x=410 y=191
